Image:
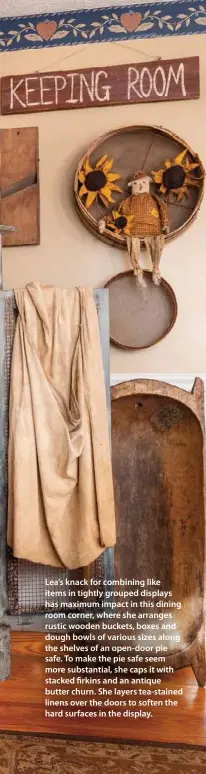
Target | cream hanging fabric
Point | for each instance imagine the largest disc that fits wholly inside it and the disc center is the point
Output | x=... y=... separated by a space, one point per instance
x=60 y=502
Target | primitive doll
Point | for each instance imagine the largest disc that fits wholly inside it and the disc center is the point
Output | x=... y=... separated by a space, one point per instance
x=145 y=219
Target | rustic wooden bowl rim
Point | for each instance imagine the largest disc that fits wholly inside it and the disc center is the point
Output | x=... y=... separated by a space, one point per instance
x=170 y=293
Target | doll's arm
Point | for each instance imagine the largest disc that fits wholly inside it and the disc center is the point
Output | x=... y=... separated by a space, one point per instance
x=123 y=206
x=121 y=209
x=103 y=222
x=163 y=210
x=101 y=225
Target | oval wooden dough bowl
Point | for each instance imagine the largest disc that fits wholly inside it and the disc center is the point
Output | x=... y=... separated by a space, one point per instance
x=158 y=468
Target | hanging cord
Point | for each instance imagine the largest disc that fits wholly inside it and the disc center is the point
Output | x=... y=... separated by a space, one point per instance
x=63 y=59
x=80 y=47
x=85 y=45
x=137 y=50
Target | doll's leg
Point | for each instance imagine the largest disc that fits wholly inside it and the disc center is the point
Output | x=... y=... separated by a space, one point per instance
x=156 y=244
x=129 y=245
x=133 y=245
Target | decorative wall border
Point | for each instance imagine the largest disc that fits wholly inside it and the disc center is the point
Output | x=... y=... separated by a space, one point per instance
x=145 y=20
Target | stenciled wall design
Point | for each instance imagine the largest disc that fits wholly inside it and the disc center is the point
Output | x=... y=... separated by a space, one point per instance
x=100 y=25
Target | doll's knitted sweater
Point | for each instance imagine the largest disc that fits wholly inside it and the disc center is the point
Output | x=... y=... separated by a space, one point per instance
x=150 y=214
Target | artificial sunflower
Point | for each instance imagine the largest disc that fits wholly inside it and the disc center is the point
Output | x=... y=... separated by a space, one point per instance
x=176 y=177
x=120 y=224
x=98 y=181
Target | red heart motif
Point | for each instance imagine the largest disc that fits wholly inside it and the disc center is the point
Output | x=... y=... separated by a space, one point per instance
x=46 y=30
x=130 y=21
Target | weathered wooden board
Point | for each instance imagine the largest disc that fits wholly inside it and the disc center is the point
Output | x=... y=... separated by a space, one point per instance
x=19 y=185
x=172 y=79
x=158 y=467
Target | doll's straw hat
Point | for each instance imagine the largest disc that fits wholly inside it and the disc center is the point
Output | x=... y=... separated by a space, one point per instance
x=140 y=175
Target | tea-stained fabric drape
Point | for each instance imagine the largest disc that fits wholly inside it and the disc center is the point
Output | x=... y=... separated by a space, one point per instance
x=60 y=490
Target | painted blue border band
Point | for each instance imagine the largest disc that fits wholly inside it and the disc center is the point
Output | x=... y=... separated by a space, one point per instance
x=158 y=19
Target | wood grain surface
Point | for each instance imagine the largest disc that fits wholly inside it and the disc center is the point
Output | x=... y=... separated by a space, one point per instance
x=19 y=185
x=22 y=705
x=158 y=469
x=173 y=79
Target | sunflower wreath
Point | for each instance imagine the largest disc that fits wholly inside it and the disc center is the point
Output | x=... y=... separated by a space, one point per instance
x=98 y=181
x=98 y=195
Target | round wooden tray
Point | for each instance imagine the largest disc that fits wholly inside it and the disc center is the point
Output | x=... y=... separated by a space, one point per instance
x=133 y=148
x=139 y=317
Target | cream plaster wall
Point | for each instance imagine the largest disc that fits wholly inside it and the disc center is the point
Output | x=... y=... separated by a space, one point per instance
x=68 y=255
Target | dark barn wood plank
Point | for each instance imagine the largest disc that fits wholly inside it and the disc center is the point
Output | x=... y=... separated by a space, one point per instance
x=172 y=79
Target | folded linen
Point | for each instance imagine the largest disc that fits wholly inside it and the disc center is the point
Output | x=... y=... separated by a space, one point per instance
x=60 y=490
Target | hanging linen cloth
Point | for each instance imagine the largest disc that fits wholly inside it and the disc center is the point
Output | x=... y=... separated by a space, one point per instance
x=60 y=490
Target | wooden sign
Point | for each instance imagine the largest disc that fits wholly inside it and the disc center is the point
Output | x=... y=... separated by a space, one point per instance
x=173 y=79
x=19 y=185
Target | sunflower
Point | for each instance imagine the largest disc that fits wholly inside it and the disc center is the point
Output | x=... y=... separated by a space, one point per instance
x=176 y=177
x=120 y=224
x=98 y=181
